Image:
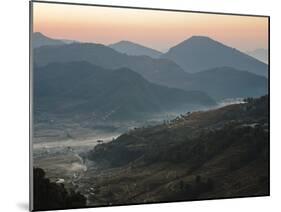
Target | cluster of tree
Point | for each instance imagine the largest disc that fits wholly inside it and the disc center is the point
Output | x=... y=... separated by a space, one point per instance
x=193 y=189
x=258 y=106
x=251 y=143
x=113 y=154
x=52 y=196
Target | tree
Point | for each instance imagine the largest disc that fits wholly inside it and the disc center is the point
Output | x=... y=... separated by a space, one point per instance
x=51 y=196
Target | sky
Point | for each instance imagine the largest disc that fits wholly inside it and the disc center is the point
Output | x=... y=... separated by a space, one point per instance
x=156 y=29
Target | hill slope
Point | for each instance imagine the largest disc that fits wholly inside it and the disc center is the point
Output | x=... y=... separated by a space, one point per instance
x=213 y=154
x=226 y=82
x=134 y=49
x=259 y=54
x=199 y=53
x=80 y=87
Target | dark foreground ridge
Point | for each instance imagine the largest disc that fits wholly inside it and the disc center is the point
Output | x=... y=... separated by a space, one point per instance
x=51 y=196
x=219 y=153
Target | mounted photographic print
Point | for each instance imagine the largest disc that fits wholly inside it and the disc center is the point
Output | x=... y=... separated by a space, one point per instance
x=139 y=105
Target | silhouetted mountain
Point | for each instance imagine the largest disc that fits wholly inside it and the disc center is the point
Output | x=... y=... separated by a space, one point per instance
x=260 y=54
x=80 y=87
x=134 y=49
x=226 y=82
x=211 y=154
x=200 y=53
x=38 y=40
x=160 y=71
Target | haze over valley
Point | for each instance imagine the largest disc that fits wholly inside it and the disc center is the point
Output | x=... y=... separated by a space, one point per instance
x=125 y=123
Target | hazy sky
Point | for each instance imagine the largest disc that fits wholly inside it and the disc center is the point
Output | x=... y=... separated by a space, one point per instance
x=156 y=29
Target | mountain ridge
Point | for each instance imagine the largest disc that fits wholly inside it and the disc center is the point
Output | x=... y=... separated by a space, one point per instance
x=39 y=39
x=228 y=82
x=134 y=49
x=160 y=71
x=260 y=54
x=198 y=53
x=80 y=87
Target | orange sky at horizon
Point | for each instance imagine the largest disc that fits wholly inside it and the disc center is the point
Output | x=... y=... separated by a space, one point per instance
x=153 y=28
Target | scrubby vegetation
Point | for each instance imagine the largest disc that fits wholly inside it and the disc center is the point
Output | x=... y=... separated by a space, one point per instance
x=50 y=196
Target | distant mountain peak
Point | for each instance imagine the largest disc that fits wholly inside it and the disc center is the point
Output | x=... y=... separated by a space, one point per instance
x=197 y=40
x=38 y=33
x=202 y=37
x=134 y=49
x=39 y=39
x=126 y=42
x=199 y=53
